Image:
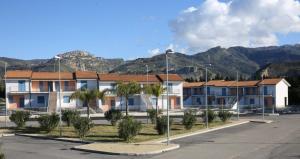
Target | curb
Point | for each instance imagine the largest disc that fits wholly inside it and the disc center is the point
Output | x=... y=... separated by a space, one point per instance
x=57 y=139
x=7 y=135
x=261 y=121
x=128 y=154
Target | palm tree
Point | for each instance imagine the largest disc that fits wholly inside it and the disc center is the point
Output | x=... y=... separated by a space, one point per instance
x=86 y=96
x=156 y=90
x=126 y=90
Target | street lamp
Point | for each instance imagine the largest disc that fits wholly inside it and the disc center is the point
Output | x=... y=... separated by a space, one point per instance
x=59 y=81
x=237 y=95
x=168 y=116
x=5 y=69
x=147 y=88
x=263 y=97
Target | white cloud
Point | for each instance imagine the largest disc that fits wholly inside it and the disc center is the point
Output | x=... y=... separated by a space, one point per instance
x=154 y=52
x=248 y=23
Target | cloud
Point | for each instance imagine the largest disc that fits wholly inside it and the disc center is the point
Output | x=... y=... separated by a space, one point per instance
x=249 y=23
x=154 y=52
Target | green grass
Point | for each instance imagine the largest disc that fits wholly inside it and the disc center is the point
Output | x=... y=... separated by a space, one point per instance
x=108 y=133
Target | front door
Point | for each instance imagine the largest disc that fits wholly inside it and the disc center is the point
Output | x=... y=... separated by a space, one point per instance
x=21 y=102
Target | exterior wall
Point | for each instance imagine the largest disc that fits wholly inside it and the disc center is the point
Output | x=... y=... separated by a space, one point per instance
x=91 y=84
x=281 y=94
x=73 y=103
x=15 y=103
x=13 y=85
x=34 y=100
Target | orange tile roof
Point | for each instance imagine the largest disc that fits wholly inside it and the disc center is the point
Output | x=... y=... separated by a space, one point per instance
x=52 y=76
x=193 y=84
x=86 y=75
x=273 y=81
x=223 y=83
x=172 y=77
x=18 y=74
x=127 y=78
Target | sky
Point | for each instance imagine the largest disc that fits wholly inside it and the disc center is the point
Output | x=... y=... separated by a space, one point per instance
x=131 y=29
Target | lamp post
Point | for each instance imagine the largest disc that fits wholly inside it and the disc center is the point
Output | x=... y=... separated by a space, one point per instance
x=168 y=116
x=5 y=69
x=59 y=81
x=147 y=88
x=237 y=95
x=263 y=98
x=206 y=104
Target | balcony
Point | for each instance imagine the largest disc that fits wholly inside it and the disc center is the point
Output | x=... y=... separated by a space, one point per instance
x=16 y=89
x=49 y=89
x=173 y=91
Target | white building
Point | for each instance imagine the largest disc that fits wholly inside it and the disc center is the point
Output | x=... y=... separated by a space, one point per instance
x=273 y=92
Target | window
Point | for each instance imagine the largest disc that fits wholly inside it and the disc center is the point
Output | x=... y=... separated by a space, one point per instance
x=21 y=86
x=66 y=85
x=57 y=86
x=153 y=101
x=41 y=85
x=265 y=90
x=208 y=90
x=113 y=85
x=223 y=91
x=177 y=101
x=198 y=101
x=252 y=101
x=66 y=99
x=112 y=102
x=10 y=99
x=40 y=99
x=83 y=85
x=130 y=101
x=170 y=87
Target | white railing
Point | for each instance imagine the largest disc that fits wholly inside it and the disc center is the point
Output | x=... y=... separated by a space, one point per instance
x=172 y=91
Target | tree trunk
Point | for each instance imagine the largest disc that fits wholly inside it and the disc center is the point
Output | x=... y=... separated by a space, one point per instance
x=156 y=107
x=88 y=110
x=126 y=103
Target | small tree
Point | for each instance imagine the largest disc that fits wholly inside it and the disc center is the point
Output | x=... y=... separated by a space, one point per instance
x=211 y=116
x=157 y=90
x=129 y=128
x=126 y=90
x=48 y=122
x=82 y=126
x=153 y=115
x=113 y=116
x=224 y=115
x=20 y=118
x=2 y=156
x=68 y=116
x=162 y=124
x=189 y=119
x=86 y=96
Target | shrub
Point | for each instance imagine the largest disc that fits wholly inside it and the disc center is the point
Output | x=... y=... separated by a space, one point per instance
x=152 y=114
x=113 y=116
x=82 y=126
x=1 y=153
x=129 y=128
x=189 y=119
x=211 y=116
x=69 y=116
x=48 y=122
x=20 y=118
x=162 y=124
x=224 y=115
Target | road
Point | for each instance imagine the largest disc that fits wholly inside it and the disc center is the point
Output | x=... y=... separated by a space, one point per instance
x=278 y=140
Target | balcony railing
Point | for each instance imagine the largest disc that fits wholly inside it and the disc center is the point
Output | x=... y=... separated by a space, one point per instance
x=48 y=89
x=17 y=89
x=173 y=91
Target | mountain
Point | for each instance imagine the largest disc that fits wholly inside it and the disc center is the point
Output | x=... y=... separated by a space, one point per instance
x=249 y=62
x=224 y=62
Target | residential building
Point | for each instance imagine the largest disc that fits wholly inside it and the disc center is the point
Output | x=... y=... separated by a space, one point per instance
x=227 y=94
x=40 y=90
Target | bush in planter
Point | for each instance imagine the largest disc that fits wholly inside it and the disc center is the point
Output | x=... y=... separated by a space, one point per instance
x=82 y=126
x=152 y=114
x=224 y=115
x=211 y=116
x=113 y=116
x=129 y=128
x=189 y=119
x=69 y=116
x=162 y=124
x=20 y=118
x=48 y=122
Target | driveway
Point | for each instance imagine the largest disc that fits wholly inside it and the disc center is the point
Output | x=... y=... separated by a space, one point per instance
x=278 y=140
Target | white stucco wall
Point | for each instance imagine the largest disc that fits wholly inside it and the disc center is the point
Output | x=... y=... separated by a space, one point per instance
x=281 y=93
x=91 y=84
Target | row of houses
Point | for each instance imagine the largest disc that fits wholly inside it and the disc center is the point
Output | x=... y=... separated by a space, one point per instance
x=273 y=93
x=40 y=90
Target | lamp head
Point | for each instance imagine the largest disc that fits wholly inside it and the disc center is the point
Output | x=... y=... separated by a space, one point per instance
x=169 y=51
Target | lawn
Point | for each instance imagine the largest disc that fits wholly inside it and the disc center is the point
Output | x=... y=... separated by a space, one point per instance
x=108 y=133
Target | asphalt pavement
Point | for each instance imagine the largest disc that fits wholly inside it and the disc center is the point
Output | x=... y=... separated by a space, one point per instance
x=278 y=140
